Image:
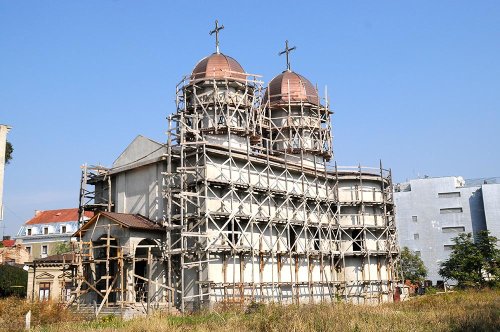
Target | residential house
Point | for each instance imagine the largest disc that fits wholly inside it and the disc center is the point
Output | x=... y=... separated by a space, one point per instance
x=41 y=234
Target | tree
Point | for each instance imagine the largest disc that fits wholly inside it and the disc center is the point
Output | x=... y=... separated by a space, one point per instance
x=9 y=149
x=412 y=266
x=473 y=263
x=13 y=281
x=62 y=248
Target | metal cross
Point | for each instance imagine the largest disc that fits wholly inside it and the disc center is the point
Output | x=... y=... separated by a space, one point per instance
x=287 y=51
x=216 y=31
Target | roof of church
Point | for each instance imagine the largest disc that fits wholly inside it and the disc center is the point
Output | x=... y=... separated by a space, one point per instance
x=133 y=221
x=218 y=65
x=290 y=87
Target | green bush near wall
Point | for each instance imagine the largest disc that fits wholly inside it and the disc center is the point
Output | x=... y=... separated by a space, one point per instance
x=13 y=281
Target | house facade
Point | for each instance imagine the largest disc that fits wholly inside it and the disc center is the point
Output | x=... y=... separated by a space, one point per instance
x=41 y=234
x=13 y=252
x=51 y=278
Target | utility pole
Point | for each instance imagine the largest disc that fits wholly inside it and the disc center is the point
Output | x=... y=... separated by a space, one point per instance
x=4 y=129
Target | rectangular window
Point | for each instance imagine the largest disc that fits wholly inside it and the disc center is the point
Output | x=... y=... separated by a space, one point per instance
x=44 y=250
x=415 y=236
x=292 y=244
x=63 y=229
x=28 y=249
x=45 y=230
x=449 y=195
x=29 y=231
x=414 y=218
x=316 y=240
x=450 y=210
x=66 y=291
x=453 y=229
x=234 y=235
x=234 y=238
x=357 y=240
x=448 y=246
x=44 y=291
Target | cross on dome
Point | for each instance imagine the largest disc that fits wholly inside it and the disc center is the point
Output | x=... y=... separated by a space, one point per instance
x=287 y=52
x=216 y=31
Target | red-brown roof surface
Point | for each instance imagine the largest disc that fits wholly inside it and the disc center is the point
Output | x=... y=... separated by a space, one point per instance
x=135 y=221
x=61 y=215
x=132 y=220
x=291 y=87
x=8 y=243
x=219 y=66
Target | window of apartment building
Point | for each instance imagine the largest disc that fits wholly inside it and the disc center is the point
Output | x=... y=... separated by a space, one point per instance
x=45 y=250
x=29 y=231
x=44 y=291
x=453 y=229
x=451 y=210
x=63 y=229
x=415 y=236
x=28 y=249
x=45 y=230
x=449 y=194
x=414 y=218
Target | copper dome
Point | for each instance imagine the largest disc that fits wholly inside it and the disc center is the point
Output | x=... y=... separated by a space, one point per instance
x=290 y=87
x=218 y=66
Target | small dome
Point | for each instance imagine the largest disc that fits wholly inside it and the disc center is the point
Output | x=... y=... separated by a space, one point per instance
x=291 y=87
x=218 y=66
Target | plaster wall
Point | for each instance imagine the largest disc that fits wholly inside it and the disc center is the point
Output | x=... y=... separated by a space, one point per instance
x=433 y=212
x=138 y=191
x=491 y=199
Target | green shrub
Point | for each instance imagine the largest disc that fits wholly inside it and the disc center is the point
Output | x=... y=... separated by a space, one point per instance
x=13 y=281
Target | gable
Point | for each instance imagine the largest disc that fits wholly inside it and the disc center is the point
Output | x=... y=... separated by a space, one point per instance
x=44 y=275
x=142 y=150
x=65 y=275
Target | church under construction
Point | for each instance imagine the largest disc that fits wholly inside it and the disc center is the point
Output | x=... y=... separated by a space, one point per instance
x=241 y=204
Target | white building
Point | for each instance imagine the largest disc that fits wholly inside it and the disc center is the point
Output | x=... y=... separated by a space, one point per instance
x=432 y=211
x=249 y=206
x=41 y=234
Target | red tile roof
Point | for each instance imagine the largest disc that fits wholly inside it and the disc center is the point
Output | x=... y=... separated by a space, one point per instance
x=8 y=243
x=61 y=215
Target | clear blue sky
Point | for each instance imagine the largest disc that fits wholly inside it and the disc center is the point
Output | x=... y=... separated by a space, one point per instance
x=414 y=83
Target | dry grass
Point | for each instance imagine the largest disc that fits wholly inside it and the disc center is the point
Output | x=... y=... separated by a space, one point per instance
x=13 y=311
x=460 y=311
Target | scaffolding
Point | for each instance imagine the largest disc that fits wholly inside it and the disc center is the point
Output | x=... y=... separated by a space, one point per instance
x=252 y=208
x=115 y=276
x=106 y=277
x=95 y=191
x=252 y=199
